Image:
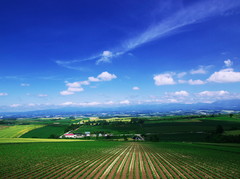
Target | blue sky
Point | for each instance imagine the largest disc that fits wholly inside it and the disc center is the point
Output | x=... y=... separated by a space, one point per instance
x=99 y=53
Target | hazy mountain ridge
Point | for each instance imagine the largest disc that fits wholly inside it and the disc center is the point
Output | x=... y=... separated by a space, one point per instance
x=218 y=105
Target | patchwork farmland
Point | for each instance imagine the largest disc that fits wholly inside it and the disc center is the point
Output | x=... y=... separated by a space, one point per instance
x=17 y=130
x=121 y=160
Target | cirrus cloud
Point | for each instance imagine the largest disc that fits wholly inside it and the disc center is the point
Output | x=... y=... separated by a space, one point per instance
x=197 y=12
x=105 y=57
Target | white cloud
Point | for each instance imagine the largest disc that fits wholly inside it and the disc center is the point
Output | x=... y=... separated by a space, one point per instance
x=182 y=81
x=77 y=86
x=42 y=95
x=105 y=57
x=190 y=98
x=64 y=93
x=90 y=104
x=3 y=94
x=181 y=93
x=136 y=88
x=177 y=93
x=124 y=102
x=228 y=63
x=227 y=75
x=84 y=82
x=196 y=82
x=182 y=74
x=15 y=105
x=93 y=79
x=24 y=84
x=213 y=93
x=32 y=104
x=109 y=102
x=200 y=70
x=70 y=89
x=105 y=76
x=107 y=53
x=172 y=101
x=67 y=103
x=164 y=79
x=73 y=85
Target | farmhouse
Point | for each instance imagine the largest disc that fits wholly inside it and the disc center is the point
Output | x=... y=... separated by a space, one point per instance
x=70 y=135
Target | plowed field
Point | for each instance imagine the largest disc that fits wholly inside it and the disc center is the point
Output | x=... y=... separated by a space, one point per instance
x=133 y=161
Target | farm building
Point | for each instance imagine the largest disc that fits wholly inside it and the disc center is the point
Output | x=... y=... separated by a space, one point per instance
x=138 y=137
x=79 y=135
x=87 y=134
x=70 y=135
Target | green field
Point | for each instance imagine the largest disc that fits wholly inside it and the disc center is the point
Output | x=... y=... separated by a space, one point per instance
x=232 y=132
x=119 y=160
x=35 y=156
x=50 y=131
x=17 y=130
x=167 y=129
x=47 y=121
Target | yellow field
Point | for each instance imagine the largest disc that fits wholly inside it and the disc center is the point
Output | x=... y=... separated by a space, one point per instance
x=27 y=140
x=113 y=119
x=17 y=131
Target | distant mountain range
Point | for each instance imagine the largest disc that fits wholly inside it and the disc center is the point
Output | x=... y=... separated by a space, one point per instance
x=165 y=108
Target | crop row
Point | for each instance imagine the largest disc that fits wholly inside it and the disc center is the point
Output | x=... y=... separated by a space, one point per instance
x=51 y=165
x=130 y=160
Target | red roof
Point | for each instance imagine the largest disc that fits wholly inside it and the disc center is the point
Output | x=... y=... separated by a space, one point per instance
x=69 y=134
